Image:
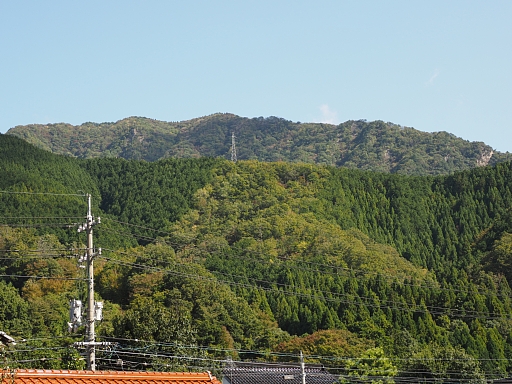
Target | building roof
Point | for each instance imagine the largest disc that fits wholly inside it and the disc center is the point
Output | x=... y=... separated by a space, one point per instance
x=266 y=373
x=38 y=376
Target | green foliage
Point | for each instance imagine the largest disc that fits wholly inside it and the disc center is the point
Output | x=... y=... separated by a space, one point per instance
x=328 y=346
x=46 y=192
x=125 y=186
x=35 y=310
x=241 y=256
x=444 y=363
x=27 y=170
x=372 y=367
x=377 y=146
x=499 y=259
x=44 y=354
x=272 y=226
x=216 y=317
x=150 y=320
x=14 y=312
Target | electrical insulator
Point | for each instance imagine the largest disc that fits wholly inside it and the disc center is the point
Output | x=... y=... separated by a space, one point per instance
x=82 y=259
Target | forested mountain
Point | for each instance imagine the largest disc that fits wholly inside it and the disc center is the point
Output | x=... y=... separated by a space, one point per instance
x=204 y=259
x=377 y=146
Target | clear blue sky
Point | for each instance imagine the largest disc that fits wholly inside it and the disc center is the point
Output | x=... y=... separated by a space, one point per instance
x=437 y=65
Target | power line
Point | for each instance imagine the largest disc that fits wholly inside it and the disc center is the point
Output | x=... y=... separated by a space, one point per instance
x=13 y=351
x=152 y=343
x=43 y=193
x=43 y=277
x=152 y=354
x=42 y=217
x=393 y=305
x=141 y=237
x=404 y=375
x=137 y=226
x=55 y=225
x=432 y=309
x=328 y=266
x=40 y=257
x=234 y=276
x=121 y=355
x=322 y=294
x=43 y=250
x=32 y=339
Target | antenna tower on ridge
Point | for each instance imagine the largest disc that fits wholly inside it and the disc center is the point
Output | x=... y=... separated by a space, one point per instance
x=233 y=148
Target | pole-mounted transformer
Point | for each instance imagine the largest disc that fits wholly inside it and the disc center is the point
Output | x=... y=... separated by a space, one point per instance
x=75 y=315
x=98 y=310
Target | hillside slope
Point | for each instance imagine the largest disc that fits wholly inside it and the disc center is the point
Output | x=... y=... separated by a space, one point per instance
x=259 y=260
x=377 y=146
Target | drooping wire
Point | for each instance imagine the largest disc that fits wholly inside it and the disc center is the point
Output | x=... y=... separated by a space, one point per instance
x=322 y=295
x=328 y=268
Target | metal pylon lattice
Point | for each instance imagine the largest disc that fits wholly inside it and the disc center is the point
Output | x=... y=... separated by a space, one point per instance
x=233 y=148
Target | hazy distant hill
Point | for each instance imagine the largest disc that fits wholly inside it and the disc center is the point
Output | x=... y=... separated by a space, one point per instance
x=378 y=146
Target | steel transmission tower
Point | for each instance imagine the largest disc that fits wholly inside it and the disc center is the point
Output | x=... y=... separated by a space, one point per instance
x=233 y=148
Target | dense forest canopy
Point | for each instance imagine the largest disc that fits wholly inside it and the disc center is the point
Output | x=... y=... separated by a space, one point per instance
x=205 y=259
x=376 y=146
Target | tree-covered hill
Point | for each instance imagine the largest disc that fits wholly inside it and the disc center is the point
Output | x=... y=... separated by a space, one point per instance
x=39 y=186
x=206 y=258
x=376 y=146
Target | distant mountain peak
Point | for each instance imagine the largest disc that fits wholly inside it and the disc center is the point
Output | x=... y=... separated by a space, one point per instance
x=376 y=145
